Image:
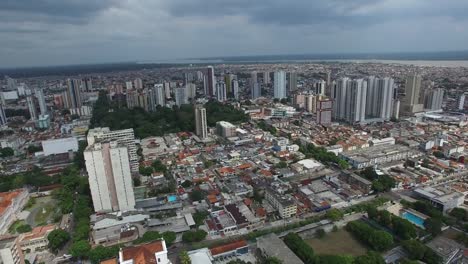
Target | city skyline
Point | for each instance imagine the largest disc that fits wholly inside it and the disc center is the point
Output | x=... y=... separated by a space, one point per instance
x=67 y=33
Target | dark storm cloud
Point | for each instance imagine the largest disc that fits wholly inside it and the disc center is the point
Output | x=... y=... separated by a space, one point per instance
x=66 y=11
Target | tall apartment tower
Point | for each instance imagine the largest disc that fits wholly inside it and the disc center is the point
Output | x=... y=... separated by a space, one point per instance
x=235 y=89
x=180 y=95
x=411 y=103
x=31 y=105
x=201 y=127
x=379 y=101
x=156 y=96
x=210 y=80
x=221 y=92
x=279 y=85
x=125 y=137
x=110 y=179
x=292 y=82
x=320 y=87
x=433 y=99
x=350 y=100
x=73 y=94
x=41 y=99
x=266 y=77
x=3 y=118
x=461 y=102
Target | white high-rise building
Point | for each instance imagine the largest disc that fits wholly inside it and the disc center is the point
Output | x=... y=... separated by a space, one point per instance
x=129 y=85
x=433 y=99
x=138 y=83
x=461 y=102
x=123 y=136
x=350 y=100
x=235 y=89
x=279 y=85
x=320 y=87
x=379 y=101
x=310 y=103
x=256 y=91
x=201 y=127
x=180 y=95
x=159 y=95
x=110 y=179
x=41 y=99
x=191 y=90
x=210 y=82
x=266 y=77
x=167 y=89
x=221 y=91
x=73 y=94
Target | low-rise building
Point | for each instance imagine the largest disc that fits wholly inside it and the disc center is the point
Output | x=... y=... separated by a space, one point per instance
x=36 y=240
x=155 y=252
x=285 y=207
x=272 y=246
x=444 y=199
x=10 y=251
x=11 y=203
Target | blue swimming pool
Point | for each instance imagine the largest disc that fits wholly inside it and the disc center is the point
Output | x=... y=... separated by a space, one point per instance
x=171 y=198
x=413 y=219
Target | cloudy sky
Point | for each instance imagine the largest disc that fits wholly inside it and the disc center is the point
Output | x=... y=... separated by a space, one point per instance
x=56 y=32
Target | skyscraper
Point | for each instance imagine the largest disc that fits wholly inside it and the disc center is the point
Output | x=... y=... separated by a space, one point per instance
x=411 y=103
x=256 y=91
x=350 y=100
x=279 y=85
x=210 y=82
x=138 y=83
x=11 y=83
x=266 y=77
x=433 y=99
x=228 y=79
x=123 y=136
x=180 y=95
x=110 y=180
x=156 y=96
x=201 y=128
x=88 y=85
x=73 y=94
x=221 y=91
x=253 y=78
x=320 y=87
x=235 y=89
x=461 y=102
x=41 y=99
x=3 y=118
x=292 y=82
x=31 y=105
x=324 y=112
x=379 y=101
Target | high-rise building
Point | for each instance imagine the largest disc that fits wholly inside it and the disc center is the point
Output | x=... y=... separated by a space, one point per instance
x=191 y=90
x=31 y=105
x=180 y=95
x=349 y=100
x=221 y=91
x=433 y=99
x=310 y=103
x=292 y=82
x=329 y=85
x=235 y=89
x=256 y=91
x=87 y=85
x=124 y=136
x=199 y=76
x=129 y=85
x=320 y=87
x=324 y=112
x=210 y=82
x=253 y=78
x=110 y=179
x=228 y=79
x=201 y=127
x=11 y=84
x=138 y=83
x=279 y=85
x=157 y=96
x=379 y=101
x=225 y=129
x=266 y=77
x=3 y=118
x=412 y=103
x=73 y=94
x=461 y=102
x=41 y=99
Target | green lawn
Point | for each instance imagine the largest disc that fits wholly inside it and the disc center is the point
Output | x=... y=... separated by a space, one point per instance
x=337 y=243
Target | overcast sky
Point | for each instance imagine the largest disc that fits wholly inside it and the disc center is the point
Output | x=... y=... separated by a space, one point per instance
x=55 y=32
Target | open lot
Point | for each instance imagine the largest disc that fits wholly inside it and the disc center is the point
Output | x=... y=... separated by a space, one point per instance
x=337 y=243
x=41 y=211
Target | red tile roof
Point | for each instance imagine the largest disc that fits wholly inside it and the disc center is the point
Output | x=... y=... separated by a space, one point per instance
x=228 y=247
x=143 y=254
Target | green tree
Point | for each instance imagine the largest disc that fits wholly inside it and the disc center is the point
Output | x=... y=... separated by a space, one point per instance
x=281 y=165
x=158 y=166
x=100 y=253
x=146 y=171
x=186 y=184
x=299 y=247
x=6 y=152
x=370 y=258
x=460 y=214
x=169 y=237
x=334 y=214
x=197 y=195
x=334 y=259
x=194 y=236
x=414 y=248
x=184 y=258
x=23 y=229
x=320 y=233
x=272 y=260
x=433 y=225
x=403 y=228
x=57 y=238
x=80 y=249
x=199 y=217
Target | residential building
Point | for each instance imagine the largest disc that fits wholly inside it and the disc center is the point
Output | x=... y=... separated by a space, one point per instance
x=110 y=179
x=285 y=207
x=156 y=96
x=201 y=127
x=180 y=95
x=73 y=94
x=221 y=92
x=266 y=77
x=292 y=82
x=379 y=98
x=43 y=122
x=256 y=91
x=279 y=85
x=123 y=136
x=154 y=252
x=225 y=129
x=210 y=82
x=461 y=102
x=31 y=106
x=3 y=118
x=235 y=89
x=350 y=100
x=433 y=99
x=41 y=99
x=272 y=246
x=320 y=87
x=324 y=112
x=412 y=102
x=10 y=251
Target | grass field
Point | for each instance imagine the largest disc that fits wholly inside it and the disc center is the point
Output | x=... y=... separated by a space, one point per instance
x=41 y=211
x=337 y=243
